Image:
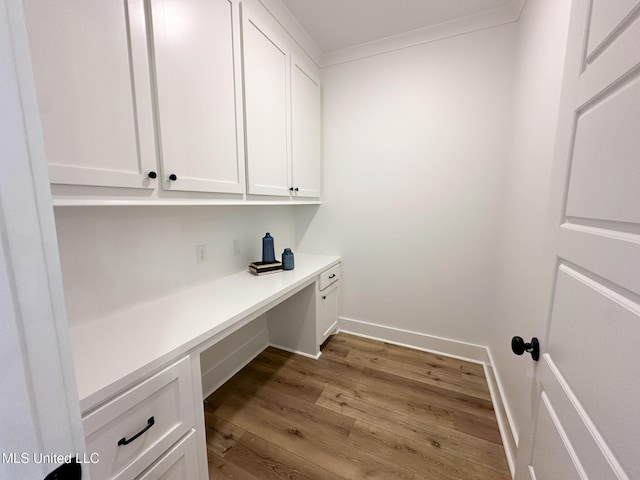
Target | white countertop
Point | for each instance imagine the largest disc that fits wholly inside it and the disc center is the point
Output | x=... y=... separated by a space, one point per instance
x=113 y=352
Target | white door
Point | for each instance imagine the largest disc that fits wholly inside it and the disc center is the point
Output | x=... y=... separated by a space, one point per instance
x=199 y=96
x=587 y=423
x=39 y=409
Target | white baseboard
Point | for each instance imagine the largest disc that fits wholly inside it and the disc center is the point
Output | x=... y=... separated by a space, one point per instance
x=451 y=348
x=419 y=341
x=503 y=414
x=297 y=352
x=222 y=371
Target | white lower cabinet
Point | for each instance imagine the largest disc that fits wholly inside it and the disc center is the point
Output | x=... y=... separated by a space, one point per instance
x=135 y=429
x=179 y=463
x=328 y=320
x=327 y=316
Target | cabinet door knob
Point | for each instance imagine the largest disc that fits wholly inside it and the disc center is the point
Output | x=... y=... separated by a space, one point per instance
x=173 y=177
x=324 y=297
x=296 y=189
x=152 y=174
x=291 y=189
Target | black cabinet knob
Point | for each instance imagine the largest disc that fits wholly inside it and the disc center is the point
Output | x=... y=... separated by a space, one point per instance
x=296 y=189
x=291 y=189
x=173 y=177
x=152 y=174
x=519 y=346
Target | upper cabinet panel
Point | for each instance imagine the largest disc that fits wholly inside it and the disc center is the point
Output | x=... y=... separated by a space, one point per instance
x=282 y=95
x=173 y=102
x=266 y=86
x=305 y=130
x=91 y=74
x=199 y=104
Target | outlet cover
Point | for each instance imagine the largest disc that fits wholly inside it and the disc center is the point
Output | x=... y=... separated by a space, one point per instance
x=201 y=253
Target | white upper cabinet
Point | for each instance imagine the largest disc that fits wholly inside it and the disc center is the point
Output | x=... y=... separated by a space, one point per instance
x=305 y=130
x=91 y=74
x=173 y=102
x=199 y=111
x=282 y=108
x=266 y=85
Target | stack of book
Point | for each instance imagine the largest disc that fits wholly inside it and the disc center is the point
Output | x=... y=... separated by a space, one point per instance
x=262 y=268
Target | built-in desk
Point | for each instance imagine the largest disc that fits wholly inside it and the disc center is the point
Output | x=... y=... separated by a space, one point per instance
x=145 y=344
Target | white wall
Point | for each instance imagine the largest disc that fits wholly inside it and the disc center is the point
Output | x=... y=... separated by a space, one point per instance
x=522 y=294
x=414 y=147
x=115 y=257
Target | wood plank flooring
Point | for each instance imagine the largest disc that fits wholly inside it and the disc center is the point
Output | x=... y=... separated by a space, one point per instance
x=365 y=409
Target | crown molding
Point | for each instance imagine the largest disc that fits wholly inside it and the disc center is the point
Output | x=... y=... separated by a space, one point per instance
x=480 y=21
x=285 y=18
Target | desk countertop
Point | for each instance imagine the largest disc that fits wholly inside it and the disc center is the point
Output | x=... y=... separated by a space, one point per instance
x=115 y=351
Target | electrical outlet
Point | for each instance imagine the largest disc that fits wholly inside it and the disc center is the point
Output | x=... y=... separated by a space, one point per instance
x=236 y=247
x=201 y=253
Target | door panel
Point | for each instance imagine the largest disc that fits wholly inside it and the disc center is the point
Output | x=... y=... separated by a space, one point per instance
x=606 y=16
x=551 y=459
x=605 y=159
x=619 y=58
x=586 y=424
x=590 y=329
x=586 y=441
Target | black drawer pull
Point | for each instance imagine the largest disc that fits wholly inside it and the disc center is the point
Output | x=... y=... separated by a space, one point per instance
x=333 y=275
x=124 y=441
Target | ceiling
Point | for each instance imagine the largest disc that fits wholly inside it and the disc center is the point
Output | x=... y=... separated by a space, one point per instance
x=338 y=24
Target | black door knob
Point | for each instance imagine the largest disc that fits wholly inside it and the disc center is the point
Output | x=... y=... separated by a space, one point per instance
x=519 y=346
x=173 y=177
x=152 y=174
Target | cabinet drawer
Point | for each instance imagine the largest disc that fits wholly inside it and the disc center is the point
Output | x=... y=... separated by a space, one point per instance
x=179 y=463
x=329 y=276
x=162 y=406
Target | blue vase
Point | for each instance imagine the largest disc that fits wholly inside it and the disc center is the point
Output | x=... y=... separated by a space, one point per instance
x=268 y=253
x=287 y=259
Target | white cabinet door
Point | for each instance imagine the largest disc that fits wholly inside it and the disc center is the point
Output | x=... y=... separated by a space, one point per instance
x=91 y=74
x=328 y=318
x=305 y=130
x=199 y=103
x=266 y=87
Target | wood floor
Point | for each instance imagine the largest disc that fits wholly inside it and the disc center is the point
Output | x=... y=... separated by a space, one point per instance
x=365 y=409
